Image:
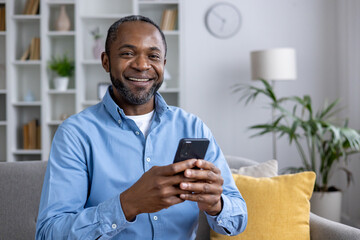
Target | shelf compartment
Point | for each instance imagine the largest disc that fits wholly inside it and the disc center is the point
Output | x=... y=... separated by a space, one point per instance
x=19 y=6
x=88 y=42
x=23 y=115
x=54 y=14
x=62 y=106
x=3 y=123
x=94 y=74
x=26 y=31
x=27 y=80
x=154 y=11
x=61 y=45
x=2 y=33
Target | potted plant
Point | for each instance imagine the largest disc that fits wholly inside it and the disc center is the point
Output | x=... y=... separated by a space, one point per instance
x=320 y=140
x=64 y=69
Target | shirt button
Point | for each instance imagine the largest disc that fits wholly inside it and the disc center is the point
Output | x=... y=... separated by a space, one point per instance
x=148 y=159
x=155 y=218
x=114 y=226
x=137 y=133
x=119 y=121
x=219 y=222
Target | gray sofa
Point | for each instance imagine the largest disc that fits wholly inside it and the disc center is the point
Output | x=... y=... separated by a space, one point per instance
x=20 y=188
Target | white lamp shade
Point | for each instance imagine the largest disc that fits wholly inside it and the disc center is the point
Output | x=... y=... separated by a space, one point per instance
x=274 y=64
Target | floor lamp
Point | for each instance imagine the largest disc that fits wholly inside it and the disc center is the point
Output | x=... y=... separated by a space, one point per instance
x=278 y=64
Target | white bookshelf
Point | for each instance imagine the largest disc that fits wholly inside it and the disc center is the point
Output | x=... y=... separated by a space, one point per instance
x=49 y=105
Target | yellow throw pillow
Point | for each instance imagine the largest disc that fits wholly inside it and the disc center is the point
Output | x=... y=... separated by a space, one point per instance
x=278 y=207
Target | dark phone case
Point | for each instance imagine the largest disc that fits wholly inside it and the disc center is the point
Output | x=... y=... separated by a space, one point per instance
x=191 y=148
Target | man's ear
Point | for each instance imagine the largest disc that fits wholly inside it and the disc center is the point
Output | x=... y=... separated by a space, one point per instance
x=164 y=61
x=105 y=61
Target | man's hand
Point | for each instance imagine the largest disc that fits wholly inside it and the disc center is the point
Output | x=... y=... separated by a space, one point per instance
x=157 y=189
x=205 y=187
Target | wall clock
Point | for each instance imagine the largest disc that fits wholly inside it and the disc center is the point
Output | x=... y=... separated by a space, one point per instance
x=223 y=20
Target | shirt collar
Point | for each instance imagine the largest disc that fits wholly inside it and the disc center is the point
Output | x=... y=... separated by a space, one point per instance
x=117 y=113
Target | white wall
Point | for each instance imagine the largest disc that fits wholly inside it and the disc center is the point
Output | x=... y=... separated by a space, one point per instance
x=213 y=65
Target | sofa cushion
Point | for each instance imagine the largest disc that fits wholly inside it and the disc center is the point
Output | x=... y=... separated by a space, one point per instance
x=20 y=191
x=265 y=169
x=278 y=207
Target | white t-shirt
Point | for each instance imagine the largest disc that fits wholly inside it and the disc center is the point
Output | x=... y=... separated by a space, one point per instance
x=143 y=121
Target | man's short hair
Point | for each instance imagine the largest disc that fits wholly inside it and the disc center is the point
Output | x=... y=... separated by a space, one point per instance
x=112 y=32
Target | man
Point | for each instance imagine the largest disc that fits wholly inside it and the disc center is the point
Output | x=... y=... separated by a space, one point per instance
x=110 y=173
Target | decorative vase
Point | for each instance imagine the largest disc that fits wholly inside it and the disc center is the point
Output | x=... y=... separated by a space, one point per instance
x=29 y=97
x=98 y=48
x=327 y=205
x=61 y=83
x=63 y=21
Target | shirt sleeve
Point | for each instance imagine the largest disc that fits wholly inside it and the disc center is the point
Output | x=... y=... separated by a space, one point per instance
x=62 y=212
x=232 y=219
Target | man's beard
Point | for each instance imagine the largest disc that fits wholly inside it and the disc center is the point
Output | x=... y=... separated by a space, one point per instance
x=136 y=98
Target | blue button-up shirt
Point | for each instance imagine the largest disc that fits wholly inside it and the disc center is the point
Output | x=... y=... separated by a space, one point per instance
x=99 y=153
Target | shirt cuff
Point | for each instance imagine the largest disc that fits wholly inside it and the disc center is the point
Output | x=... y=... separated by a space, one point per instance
x=220 y=223
x=111 y=216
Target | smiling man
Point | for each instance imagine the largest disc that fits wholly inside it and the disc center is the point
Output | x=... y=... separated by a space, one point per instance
x=111 y=174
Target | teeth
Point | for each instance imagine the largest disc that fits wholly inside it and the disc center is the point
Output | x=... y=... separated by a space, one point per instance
x=139 y=79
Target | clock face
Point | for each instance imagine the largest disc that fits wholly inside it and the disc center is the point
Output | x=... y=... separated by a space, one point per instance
x=223 y=20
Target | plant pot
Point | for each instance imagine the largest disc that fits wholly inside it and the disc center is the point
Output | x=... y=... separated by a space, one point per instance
x=327 y=205
x=61 y=83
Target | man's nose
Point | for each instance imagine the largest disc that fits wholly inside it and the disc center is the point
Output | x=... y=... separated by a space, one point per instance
x=141 y=63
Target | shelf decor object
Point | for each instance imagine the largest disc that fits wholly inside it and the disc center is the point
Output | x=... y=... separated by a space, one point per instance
x=98 y=47
x=278 y=64
x=63 y=21
x=31 y=7
x=64 y=68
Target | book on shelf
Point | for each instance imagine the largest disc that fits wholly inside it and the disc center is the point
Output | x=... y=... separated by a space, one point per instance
x=33 y=51
x=168 y=20
x=32 y=135
x=2 y=17
x=31 y=7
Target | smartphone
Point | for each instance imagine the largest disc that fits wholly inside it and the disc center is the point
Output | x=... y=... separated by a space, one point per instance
x=191 y=148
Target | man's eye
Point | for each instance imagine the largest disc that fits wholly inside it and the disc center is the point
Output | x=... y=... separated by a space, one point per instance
x=126 y=54
x=154 y=57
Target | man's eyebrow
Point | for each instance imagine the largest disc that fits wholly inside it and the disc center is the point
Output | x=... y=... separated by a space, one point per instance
x=127 y=46
x=155 y=49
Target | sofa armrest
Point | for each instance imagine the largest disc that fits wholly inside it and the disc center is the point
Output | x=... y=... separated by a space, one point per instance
x=322 y=228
